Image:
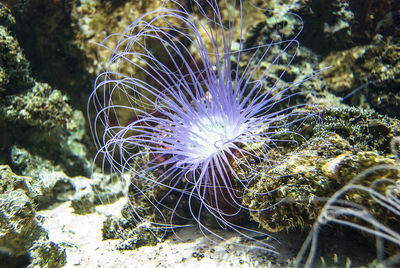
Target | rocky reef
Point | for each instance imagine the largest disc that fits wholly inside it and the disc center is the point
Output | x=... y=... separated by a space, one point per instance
x=44 y=140
x=50 y=54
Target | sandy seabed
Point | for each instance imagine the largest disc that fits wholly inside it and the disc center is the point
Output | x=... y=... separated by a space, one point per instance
x=81 y=236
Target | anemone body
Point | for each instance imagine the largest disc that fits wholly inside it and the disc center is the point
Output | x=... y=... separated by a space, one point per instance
x=177 y=96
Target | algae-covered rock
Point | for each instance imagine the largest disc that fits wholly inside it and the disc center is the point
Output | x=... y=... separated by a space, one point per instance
x=293 y=185
x=96 y=20
x=41 y=106
x=14 y=68
x=21 y=233
x=20 y=227
x=46 y=253
x=298 y=187
x=132 y=234
x=47 y=184
x=6 y=19
x=362 y=128
x=53 y=185
x=380 y=66
x=151 y=212
x=35 y=115
x=340 y=76
x=100 y=189
x=22 y=236
x=33 y=146
x=348 y=141
x=46 y=32
x=331 y=22
x=9 y=182
x=341 y=24
x=373 y=70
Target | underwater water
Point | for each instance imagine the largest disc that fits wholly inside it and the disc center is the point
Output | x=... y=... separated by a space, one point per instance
x=199 y=133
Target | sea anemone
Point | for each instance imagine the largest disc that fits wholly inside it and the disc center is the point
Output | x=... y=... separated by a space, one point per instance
x=185 y=103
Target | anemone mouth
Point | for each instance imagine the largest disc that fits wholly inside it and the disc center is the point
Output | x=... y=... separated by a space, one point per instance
x=210 y=135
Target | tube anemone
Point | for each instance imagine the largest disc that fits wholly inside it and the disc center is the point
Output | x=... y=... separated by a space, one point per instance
x=185 y=104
